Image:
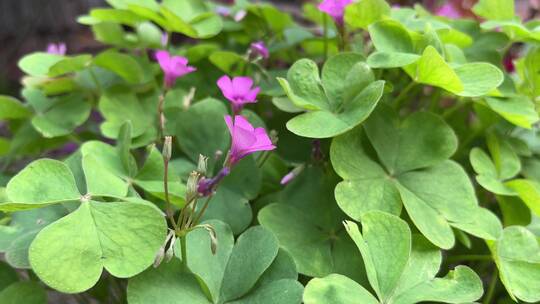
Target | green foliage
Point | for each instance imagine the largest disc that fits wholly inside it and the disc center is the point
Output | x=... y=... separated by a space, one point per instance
x=253 y=269
x=400 y=269
x=407 y=146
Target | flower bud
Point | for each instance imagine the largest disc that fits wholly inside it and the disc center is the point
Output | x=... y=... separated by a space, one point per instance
x=202 y=165
x=167 y=148
x=291 y=175
x=192 y=186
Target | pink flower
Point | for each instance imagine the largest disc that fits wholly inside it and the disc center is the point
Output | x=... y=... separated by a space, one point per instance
x=246 y=139
x=335 y=8
x=57 y=48
x=259 y=49
x=238 y=91
x=448 y=10
x=173 y=67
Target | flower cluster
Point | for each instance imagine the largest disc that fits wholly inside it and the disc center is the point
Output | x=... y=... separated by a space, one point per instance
x=245 y=139
x=239 y=91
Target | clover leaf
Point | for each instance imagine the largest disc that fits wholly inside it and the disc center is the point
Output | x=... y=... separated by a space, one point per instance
x=414 y=171
x=22 y=229
x=492 y=173
x=518 y=110
x=517 y=255
x=104 y=233
x=101 y=235
x=23 y=292
x=106 y=171
x=307 y=223
x=192 y=17
x=11 y=108
x=119 y=105
x=401 y=268
x=343 y=96
x=362 y=14
x=253 y=270
x=397 y=46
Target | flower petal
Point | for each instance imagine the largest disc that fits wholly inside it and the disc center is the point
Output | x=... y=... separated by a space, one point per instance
x=226 y=86
x=242 y=86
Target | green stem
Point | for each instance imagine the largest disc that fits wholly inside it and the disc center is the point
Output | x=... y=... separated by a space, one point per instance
x=198 y=218
x=460 y=103
x=492 y=286
x=168 y=208
x=325 y=34
x=398 y=102
x=468 y=257
x=343 y=40
x=183 y=245
x=161 y=117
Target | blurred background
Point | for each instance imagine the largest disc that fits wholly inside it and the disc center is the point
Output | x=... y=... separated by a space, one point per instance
x=29 y=25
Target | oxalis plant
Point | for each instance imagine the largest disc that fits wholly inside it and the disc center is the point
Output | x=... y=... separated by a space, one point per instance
x=407 y=168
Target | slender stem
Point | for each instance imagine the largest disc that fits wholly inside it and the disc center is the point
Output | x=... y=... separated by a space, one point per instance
x=263 y=158
x=161 y=117
x=168 y=208
x=460 y=103
x=203 y=209
x=183 y=245
x=325 y=34
x=401 y=97
x=469 y=257
x=434 y=101
x=492 y=286
x=343 y=40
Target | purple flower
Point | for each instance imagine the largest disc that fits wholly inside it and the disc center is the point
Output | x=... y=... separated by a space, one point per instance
x=259 y=49
x=57 y=48
x=335 y=8
x=238 y=91
x=173 y=67
x=448 y=10
x=207 y=186
x=246 y=139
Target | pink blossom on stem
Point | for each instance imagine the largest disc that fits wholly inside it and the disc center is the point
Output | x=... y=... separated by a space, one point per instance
x=238 y=91
x=173 y=66
x=259 y=49
x=335 y=8
x=245 y=139
x=448 y=10
x=57 y=48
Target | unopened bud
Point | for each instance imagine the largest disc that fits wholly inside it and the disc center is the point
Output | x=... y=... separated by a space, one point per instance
x=167 y=148
x=291 y=175
x=274 y=137
x=169 y=254
x=202 y=165
x=213 y=237
x=192 y=186
x=161 y=252
x=218 y=155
